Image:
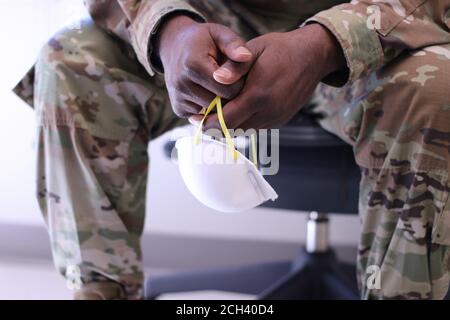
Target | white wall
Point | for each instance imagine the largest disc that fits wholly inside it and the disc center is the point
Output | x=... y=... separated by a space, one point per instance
x=24 y=26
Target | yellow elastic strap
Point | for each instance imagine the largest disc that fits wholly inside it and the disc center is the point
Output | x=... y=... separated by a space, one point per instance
x=217 y=102
x=225 y=131
x=254 y=150
x=208 y=110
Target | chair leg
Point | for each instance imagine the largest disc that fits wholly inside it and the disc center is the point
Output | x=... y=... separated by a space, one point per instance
x=315 y=274
x=337 y=288
x=251 y=279
x=294 y=285
x=346 y=275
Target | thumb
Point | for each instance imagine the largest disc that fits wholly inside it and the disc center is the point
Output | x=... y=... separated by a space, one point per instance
x=230 y=72
x=229 y=43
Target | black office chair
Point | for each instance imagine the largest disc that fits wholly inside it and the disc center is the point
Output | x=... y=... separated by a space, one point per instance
x=317 y=174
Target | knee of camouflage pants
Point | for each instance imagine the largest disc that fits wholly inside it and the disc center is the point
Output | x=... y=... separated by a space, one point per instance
x=96 y=110
x=398 y=121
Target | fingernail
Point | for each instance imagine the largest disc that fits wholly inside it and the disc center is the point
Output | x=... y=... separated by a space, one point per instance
x=223 y=73
x=243 y=51
x=194 y=122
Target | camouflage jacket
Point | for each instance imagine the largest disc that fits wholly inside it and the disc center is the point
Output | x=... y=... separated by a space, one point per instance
x=371 y=32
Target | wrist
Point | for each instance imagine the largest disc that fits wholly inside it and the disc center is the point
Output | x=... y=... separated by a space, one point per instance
x=327 y=50
x=169 y=30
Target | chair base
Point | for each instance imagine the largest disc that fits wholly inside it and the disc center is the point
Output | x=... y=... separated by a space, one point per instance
x=310 y=276
x=315 y=276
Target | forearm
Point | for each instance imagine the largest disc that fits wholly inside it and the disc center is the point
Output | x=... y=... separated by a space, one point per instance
x=333 y=55
x=137 y=21
x=167 y=34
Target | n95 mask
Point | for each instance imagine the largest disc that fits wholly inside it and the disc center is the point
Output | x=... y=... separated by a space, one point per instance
x=217 y=174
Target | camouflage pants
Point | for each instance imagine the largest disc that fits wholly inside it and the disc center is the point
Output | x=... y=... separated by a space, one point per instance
x=398 y=122
x=97 y=110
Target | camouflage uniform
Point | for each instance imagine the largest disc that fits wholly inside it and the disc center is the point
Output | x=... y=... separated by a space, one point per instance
x=98 y=107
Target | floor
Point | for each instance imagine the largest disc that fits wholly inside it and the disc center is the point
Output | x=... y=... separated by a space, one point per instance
x=37 y=280
x=30 y=280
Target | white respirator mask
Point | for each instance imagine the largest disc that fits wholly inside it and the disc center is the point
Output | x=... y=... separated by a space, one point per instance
x=217 y=174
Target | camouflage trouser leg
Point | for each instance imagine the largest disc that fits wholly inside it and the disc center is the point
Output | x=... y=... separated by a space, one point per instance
x=96 y=110
x=398 y=121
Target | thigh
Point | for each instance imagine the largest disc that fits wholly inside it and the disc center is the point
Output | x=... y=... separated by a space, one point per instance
x=86 y=78
x=402 y=107
x=398 y=121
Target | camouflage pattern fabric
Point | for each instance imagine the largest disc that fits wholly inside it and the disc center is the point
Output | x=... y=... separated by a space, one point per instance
x=97 y=107
x=96 y=110
x=398 y=121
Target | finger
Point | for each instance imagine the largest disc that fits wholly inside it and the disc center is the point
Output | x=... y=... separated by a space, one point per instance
x=231 y=72
x=199 y=95
x=187 y=108
x=256 y=122
x=202 y=74
x=229 y=43
x=196 y=119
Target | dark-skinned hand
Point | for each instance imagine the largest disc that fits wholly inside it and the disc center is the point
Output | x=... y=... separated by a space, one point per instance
x=191 y=53
x=287 y=68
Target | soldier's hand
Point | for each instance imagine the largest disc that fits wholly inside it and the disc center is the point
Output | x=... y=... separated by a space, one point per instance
x=191 y=53
x=287 y=68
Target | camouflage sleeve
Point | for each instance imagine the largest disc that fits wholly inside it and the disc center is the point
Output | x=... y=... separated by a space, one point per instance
x=136 y=21
x=373 y=32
